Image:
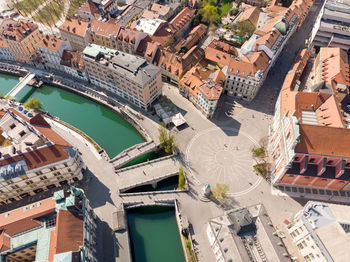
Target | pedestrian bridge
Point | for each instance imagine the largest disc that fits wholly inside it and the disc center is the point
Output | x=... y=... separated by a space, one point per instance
x=151 y=199
x=132 y=153
x=147 y=173
x=21 y=84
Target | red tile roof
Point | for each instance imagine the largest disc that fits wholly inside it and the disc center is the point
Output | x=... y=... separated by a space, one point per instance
x=105 y=29
x=68 y=235
x=182 y=18
x=17 y=30
x=249 y=65
x=75 y=26
x=50 y=42
x=211 y=90
x=25 y=218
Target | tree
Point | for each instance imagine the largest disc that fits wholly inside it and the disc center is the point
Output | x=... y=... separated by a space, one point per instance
x=210 y=14
x=220 y=191
x=181 y=183
x=166 y=140
x=1 y=96
x=34 y=104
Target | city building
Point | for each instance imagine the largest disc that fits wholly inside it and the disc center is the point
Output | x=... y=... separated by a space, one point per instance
x=164 y=12
x=33 y=157
x=175 y=65
x=220 y=53
x=258 y=54
x=320 y=232
x=129 y=40
x=333 y=25
x=75 y=31
x=72 y=63
x=251 y=14
x=245 y=234
x=51 y=50
x=89 y=10
x=309 y=134
x=5 y=52
x=103 y=33
x=193 y=37
x=21 y=37
x=148 y=25
x=202 y=88
x=125 y=75
x=61 y=228
x=245 y=75
x=182 y=21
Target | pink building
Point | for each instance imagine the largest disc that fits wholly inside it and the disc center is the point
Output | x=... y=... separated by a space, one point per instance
x=309 y=142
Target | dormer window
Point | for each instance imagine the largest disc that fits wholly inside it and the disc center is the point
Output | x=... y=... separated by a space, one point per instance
x=12 y=126
x=22 y=133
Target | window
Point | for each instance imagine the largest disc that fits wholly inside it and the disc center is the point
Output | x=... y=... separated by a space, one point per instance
x=38 y=173
x=43 y=178
x=12 y=126
x=312 y=160
x=22 y=133
x=29 y=182
x=330 y=162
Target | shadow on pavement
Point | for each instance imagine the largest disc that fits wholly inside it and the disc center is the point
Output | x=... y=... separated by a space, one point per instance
x=96 y=192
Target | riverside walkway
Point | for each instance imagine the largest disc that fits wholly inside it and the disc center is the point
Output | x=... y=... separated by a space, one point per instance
x=133 y=153
x=21 y=84
x=148 y=173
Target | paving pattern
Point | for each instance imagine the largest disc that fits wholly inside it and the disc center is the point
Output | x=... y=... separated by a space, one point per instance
x=220 y=156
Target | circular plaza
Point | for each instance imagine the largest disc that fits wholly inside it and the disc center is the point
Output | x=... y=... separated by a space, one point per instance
x=223 y=155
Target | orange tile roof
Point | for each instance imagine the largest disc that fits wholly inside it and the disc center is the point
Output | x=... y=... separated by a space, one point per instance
x=68 y=235
x=211 y=90
x=90 y=7
x=334 y=66
x=73 y=59
x=192 y=38
x=4 y=242
x=128 y=35
x=268 y=39
x=193 y=79
x=16 y=30
x=182 y=18
x=324 y=140
x=105 y=29
x=249 y=65
x=75 y=26
x=175 y=64
x=150 y=14
x=217 y=56
x=20 y=219
x=160 y=9
x=219 y=76
x=251 y=14
x=50 y=42
x=3 y=43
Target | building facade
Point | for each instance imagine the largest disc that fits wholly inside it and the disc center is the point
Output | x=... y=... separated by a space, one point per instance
x=61 y=228
x=75 y=31
x=73 y=64
x=51 y=50
x=5 y=52
x=245 y=76
x=33 y=157
x=333 y=25
x=21 y=37
x=309 y=133
x=320 y=231
x=125 y=75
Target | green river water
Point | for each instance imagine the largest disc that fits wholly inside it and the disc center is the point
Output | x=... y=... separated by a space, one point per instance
x=153 y=231
x=154 y=235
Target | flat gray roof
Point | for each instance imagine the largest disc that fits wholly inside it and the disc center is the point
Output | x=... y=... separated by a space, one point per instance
x=132 y=67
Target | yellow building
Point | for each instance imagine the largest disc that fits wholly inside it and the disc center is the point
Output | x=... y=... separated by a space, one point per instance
x=21 y=37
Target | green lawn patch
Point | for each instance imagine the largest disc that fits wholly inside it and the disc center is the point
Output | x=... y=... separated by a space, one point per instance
x=26 y=7
x=50 y=14
x=74 y=6
x=225 y=8
x=261 y=169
